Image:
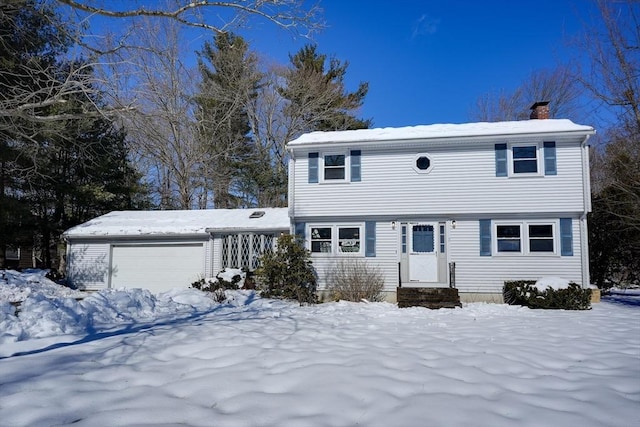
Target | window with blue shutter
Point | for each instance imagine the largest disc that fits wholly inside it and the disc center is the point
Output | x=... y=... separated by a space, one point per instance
x=566 y=237
x=550 y=167
x=313 y=168
x=370 y=239
x=485 y=237
x=355 y=165
x=501 y=159
x=299 y=229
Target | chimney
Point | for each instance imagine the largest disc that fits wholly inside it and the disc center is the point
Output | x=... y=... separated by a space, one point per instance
x=540 y=110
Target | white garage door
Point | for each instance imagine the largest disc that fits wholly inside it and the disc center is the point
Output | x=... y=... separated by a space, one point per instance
x=157 y=267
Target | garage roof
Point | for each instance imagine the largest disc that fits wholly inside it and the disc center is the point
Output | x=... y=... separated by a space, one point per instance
x=180 y=222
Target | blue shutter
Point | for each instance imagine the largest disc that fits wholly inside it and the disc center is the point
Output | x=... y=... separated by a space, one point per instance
x=501 y=159
x=300 y=228
x=485 y=237
x=550 y=167
x=566 y=237
x=355 y=165
x=370 y=239
x=313 y=168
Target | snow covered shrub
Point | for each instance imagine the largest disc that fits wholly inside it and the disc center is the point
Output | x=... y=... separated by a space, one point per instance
x=217 y=287
x=287 y=272
x=525 y=292
x=355 y=280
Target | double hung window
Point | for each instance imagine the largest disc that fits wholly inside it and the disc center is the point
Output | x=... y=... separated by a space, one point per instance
x=525 y=159
x=321 y=239
x=337 y=239
x=334 y=167
x=525 y=238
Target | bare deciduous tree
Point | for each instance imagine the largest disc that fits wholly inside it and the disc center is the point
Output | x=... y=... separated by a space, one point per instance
x=161 y=129
x=613 y=47
x=20 y=104
x=558 y=86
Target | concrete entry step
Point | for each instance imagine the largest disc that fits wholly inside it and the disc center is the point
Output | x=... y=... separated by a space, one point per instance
x=433 y=298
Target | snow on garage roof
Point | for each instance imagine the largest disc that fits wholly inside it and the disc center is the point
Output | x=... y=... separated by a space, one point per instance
x=441 y=131
x=139 y=223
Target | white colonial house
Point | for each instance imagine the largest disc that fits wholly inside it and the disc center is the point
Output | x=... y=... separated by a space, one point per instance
x=455 y=205
x=437 y=206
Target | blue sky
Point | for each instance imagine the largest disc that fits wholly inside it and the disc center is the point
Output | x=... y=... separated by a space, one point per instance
x=428 y=61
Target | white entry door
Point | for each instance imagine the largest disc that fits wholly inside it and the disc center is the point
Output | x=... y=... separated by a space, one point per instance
x=423 y=255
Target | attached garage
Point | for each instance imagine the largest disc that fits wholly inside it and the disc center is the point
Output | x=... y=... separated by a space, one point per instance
x=160 y=250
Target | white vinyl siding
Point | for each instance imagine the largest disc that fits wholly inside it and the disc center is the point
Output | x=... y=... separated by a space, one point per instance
x=88 y=265
x=482 y=274
x=386 y=259
x=461 y=180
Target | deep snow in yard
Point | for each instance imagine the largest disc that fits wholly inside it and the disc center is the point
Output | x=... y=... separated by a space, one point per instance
x=129 y=358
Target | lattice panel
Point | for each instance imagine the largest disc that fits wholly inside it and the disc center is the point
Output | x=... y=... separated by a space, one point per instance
x=245 y=250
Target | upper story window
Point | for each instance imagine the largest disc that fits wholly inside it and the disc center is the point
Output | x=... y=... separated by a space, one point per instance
x=422 y=163
x=334 y=167
x=526 y=159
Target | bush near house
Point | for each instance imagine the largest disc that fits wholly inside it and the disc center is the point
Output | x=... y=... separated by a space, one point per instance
x=217 y=287
x=355 y=280
x=287 y=272
x=525 y=293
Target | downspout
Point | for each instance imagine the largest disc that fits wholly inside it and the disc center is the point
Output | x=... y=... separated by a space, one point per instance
x=291 y=184
x=586 y=195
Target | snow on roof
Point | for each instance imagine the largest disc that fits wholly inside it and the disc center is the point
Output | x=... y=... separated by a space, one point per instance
x=438 y=131
x=136 y=223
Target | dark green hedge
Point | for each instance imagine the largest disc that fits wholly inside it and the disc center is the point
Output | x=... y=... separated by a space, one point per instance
x=523 y=292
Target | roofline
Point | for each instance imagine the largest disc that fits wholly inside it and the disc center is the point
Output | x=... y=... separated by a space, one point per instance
x=129 y=236
x=456 y=138
x=238 y=229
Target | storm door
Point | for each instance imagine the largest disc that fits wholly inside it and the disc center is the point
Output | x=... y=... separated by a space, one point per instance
x=423 y=254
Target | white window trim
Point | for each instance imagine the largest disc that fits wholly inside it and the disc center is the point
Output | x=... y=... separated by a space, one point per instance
x=539 y=159
x=524 y=238
x=347 y=167
x=335 y=249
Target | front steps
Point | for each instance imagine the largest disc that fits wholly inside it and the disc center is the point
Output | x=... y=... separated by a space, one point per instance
x=428 y=297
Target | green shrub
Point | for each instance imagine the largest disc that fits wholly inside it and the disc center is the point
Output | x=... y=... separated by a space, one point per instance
x=523 y=292
x=287 y=272
x=354 y=280
x=217 y=287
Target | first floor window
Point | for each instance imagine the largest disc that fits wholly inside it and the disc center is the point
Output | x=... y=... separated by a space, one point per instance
x=337 y=239
x=321 y=239
x=541 y=238
x=348 y=239
x=508 y=237
x=525 y=237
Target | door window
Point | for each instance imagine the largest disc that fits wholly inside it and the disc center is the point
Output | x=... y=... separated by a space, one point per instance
x=422 y=238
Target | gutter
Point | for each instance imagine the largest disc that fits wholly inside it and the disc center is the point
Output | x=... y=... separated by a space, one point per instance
x=448 y=139
x=586 y=196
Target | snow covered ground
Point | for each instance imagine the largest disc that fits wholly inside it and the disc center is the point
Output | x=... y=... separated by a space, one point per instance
x=129 y=358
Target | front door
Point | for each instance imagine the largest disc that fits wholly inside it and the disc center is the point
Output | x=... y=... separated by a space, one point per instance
x=423 y=256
